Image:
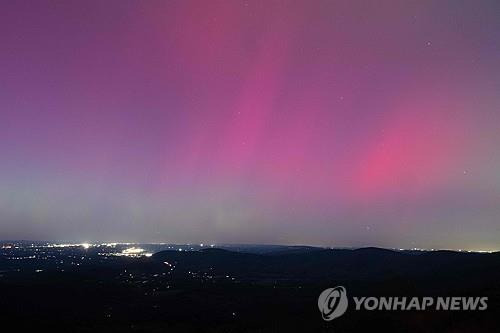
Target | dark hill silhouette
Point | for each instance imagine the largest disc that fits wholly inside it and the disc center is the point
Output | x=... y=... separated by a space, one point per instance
x=255 y=288
x=342 y=264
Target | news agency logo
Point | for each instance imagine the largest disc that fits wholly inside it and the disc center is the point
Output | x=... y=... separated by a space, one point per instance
x=332 y=303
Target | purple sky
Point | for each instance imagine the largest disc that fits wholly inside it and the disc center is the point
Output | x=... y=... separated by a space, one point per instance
x=340 y=123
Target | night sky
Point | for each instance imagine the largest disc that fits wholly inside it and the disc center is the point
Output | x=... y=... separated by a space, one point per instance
x=338 y=123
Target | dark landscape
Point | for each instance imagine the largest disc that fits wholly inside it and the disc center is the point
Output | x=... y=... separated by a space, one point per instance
x=185 y=288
